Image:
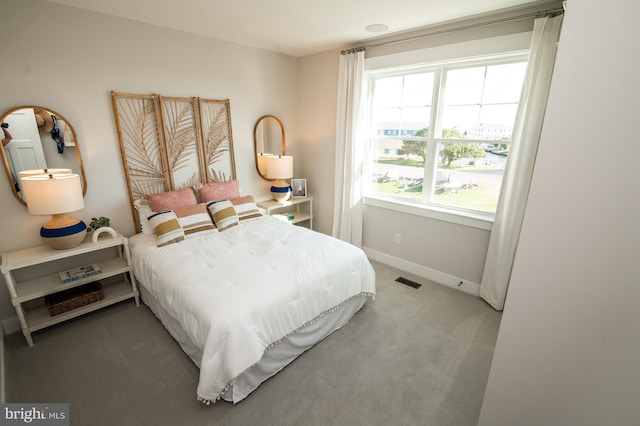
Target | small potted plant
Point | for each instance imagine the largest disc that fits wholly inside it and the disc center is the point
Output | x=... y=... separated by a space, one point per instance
x=97 y=223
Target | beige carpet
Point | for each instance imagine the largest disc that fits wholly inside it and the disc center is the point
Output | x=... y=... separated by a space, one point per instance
x=410 y=357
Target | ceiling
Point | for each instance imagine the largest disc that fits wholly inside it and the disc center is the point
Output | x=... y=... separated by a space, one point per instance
x=293 y=27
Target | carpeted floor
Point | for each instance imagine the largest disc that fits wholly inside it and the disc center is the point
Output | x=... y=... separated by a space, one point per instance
x=410 y=357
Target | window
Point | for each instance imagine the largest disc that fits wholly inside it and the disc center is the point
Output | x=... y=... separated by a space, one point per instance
x=440 y=133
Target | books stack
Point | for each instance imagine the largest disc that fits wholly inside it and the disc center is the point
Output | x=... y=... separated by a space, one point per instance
x=79 y=273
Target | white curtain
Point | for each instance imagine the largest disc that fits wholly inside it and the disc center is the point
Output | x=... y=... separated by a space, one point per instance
x=517 y=175
x=347 y=210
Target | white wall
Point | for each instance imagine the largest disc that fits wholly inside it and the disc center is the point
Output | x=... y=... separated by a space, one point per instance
x=431 y=247
x=569 y=342
x=69 y=60
x=318 y=90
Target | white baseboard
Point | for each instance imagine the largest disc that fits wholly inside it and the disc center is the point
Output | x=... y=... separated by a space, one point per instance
x=424 y=272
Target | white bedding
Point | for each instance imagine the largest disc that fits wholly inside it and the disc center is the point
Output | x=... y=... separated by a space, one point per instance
x=240 y=291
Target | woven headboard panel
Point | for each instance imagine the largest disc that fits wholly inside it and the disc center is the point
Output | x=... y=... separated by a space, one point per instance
x=171 y=143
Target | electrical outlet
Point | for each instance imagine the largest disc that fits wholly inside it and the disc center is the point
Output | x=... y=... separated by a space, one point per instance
x=398 y=238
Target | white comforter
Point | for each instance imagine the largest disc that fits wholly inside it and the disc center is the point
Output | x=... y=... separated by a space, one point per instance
x=239 y=291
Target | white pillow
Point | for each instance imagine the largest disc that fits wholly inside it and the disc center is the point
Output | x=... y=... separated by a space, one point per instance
x=144 y=211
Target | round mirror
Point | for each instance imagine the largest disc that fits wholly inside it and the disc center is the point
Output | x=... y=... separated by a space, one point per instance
x=268 y=136
x=35 y=137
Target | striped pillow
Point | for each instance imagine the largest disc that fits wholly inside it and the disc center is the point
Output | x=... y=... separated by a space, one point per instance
x=195 y=220
x=245 y=207
x=223 y=214
x=166 y=227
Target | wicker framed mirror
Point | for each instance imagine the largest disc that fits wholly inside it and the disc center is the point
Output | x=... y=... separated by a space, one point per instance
x=36 y=137
x=268 y=138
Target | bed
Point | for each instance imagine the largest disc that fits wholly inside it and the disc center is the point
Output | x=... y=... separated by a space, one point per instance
x=242 y=293
x=245 y=302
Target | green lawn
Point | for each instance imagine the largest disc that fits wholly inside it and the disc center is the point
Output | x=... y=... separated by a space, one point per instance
x=482 y=197
x=400 y=162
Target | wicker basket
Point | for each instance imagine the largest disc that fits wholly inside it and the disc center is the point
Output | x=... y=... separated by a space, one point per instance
x=76 y=297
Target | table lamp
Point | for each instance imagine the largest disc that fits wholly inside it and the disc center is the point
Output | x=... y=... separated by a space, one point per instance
x=56 y=195
x=280 y=168
x=262 y=163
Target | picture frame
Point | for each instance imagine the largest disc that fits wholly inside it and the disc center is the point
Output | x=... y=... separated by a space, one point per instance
x=299 y=187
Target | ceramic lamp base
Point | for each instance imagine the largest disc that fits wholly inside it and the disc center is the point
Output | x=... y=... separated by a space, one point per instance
x=63 y=232
x=281 y=190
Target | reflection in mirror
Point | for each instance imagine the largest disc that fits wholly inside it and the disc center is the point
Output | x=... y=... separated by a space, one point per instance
x=38 y=138
x=268 y=136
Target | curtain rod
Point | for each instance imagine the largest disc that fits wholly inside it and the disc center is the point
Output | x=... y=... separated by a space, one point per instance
x=548 y=12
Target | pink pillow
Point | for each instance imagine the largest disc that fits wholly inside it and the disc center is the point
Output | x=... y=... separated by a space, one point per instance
x=218 y=191
x=172 y=200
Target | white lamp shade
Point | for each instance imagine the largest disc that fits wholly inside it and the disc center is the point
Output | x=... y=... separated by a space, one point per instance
x=280 y=167
x=262 y=163
x=52 y=193
x=36 y=172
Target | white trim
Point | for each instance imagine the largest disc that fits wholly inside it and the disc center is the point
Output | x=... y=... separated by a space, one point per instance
x=511 y=43
x=466 y=218
x=424 y=272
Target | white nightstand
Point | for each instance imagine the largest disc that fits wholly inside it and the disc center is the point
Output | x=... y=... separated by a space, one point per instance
x=32 y=274
x=297 y=210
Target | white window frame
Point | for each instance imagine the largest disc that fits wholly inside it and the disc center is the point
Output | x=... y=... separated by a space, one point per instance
x=425 y=207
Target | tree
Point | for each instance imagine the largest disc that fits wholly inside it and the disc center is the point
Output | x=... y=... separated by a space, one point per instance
x=414 y=147
x=453 y=151
x=451 y=134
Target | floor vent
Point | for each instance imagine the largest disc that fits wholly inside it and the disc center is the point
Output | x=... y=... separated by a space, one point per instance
x=410 y=283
